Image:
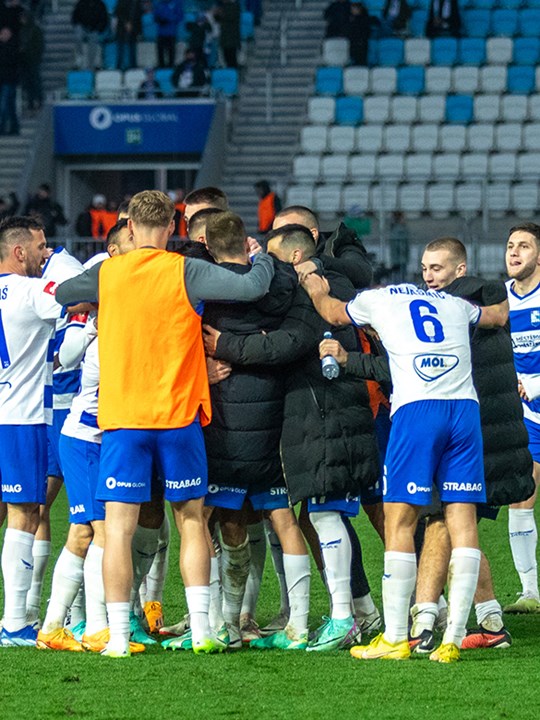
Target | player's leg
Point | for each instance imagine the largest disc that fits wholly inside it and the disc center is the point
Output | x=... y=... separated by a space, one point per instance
x=280 y=621
x=155 y=580
x=249 y=629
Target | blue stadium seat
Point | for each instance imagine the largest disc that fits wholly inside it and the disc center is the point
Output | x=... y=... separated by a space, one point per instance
x=476 y=22
x=521 y=79
x=391 y=52
x=149 y=27
x=375 y=7
x=349 y=111
x=247 y=26
x=529 y=22
x=329 y=81
x=459 y=109
x=410 y=80
x=417 y=23
x=109 y=53
x=189 y=17
x=164 y=76
x=444 y=51
x=504 y=22
x=225 y=80
x=533 y=4
x=481 y=4
x=516 y=4
x=526 y=51
x=373 y=53
x=79 y=84
x=472 y=51
x=111 y=6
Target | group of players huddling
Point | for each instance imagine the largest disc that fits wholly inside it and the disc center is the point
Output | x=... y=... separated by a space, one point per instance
x=194 y=376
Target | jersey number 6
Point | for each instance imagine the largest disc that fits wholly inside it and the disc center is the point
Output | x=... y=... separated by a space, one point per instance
x=427 y=327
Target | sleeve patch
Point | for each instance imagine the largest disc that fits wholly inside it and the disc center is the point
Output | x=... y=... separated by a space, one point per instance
x=50 y=288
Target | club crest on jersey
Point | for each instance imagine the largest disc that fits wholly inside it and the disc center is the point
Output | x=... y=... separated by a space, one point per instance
x=50 y=288
x=535 y=317
x=430 y=366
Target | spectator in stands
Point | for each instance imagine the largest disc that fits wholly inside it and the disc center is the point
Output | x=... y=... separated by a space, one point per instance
x=168 y=15
x=90 y=20
x=46 y=210
x=228 y=16
x=128 y=15
x=10 y=16
x=31 y=53
x=190 y=77
x=149 y=89
x=399 y=247
x=255 y=7
x=10 y=207
x=338 y=16
x=395 y=17
x=180 y=225
x=444 y=19
x=9 y=79
x=359 y=31
x=89 y=221
x=269 y=205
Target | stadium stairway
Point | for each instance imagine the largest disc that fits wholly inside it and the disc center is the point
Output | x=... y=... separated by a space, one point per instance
x=257 y=149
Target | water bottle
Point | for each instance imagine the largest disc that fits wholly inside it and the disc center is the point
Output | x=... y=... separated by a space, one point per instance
x=329 y=364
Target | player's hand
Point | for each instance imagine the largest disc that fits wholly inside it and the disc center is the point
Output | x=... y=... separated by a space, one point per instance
x=305 y=268
x=334 y=348
x=371 y=332
x=254 y=246
x=521 y=390
x=218 y=370
x=81 y=308
x=315 y=285
x=210 y=339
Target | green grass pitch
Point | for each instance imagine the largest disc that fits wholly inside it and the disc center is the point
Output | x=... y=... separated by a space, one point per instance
x=485 y=685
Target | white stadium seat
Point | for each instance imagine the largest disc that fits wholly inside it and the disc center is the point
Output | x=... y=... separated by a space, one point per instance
x=438 y=80
x=480 y=137
x=321 y=110
x=306 y=168
x=341 y=139
x=335 y=51
x=474 y=165
x=531 y=137
x=487 y=108
x=313 y=139
x=468 y=197
x=493 y=79
x=528 y=166
x=403 y=109
x=417 y=51
x=369 y=138
x=300 y=195
x=418 y=166
x=432 y=108
x=514 y=108
x=508 y=137
x=534 y=107
x=355 y=80
x=524 y=198
x=502 y=165
x=397 y=138
x=327 y=199
x=383 y=81
x=335 y=168
x=362 y=167
x=499 y=51
x=377 y=109
x=453 y=138
x=440 y=199
x=355 y=196
x=446 y=166
x=384 y=197
x=390 y=166
x=425 y=138
x=498 y=198
x=108 y=84
x=465 y=79
x=412 y=198
x=132 y=81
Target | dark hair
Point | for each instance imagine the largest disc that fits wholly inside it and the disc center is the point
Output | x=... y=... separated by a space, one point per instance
x=211 y=196
x=225 y=234
x=112 y=235
x=263 y=186
x=528 y=227
x=198 y=221
x=294 y=236
x=454 y=246
x=309 y=217
x=16 y=229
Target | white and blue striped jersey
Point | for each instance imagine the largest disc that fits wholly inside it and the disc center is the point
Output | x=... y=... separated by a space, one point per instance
x=525 y=332
x=81 y=423
x=426 y=335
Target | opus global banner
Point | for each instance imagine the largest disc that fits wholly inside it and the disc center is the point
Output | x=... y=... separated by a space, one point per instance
x=162 y=127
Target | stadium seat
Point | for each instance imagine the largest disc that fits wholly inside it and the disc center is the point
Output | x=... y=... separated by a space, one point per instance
x=452 y=138
x=472 y=51
x=329 y=81
x=373 y=53
x=355 y=80
x=431 y=108
x=132 y=81
x=382 y=81
x=396 y=138
x=355 y=196
x=465 y=79
x=79 y=84
x=327 y=199
x=493 y=79
x=474 y=165
x=410 y=80
x=403 y=109
x=531 y=137
x=247 y=25
x=438 y=80
x=527 y=166
x=480 y=137
x=468 y=197
x=498 y=198
x=425 y=138
x=390 y=166
x=537 y=79
x=502 y=165
x=108 y=84
x=306 y=168
x=499 y=51
x=504 y=22
x=377 y=109
x=417 y=51
x=508 y=137
x=440 y=199
x=524 y=198
x=384 y=197
x=225 y=81
x=526 y=51
x=146 y=54
x=341 y=139
x=335 y=168
x=412 y=198
x=514 y=108
x=444 y=51
x=446 y=167
x=362 y=167
x=459 y=109
x=164 y=78
x=369 y=138
x=417 y=23
x=300 y=195
x=149 y=27
x=314 y=139
x=481 y=4
x=390 y=52
x=514 y=4
x=349 y=110
x=520 y=80
x=476 y=22
x=335 y=51
x=529 y=22
x=321 y=110
x=487 y=108
x=418 y=166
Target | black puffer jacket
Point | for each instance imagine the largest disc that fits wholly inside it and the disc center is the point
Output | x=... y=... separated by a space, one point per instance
x=507 y=460
x=344 y=253
x=328 y=443
x=242 y=441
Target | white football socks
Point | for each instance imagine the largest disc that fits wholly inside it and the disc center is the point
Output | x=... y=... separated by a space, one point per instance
x=157 y=575
x=235 y=564
x=257 y=547
x=41 y=551
x=423 y=617
x=489 y=615
x=17 y=568
x=463 y=579
x=143 y=550
x=398 y=584
x=276 y=552
x=77 y=612
x=66 y=582
x=336 y=551
x=198 y=602
x=215 y=610
x=298 y=575
x=523 y=540
x=118 y=614
x=96 y=610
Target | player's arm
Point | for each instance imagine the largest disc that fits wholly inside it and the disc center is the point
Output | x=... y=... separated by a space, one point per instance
x=81 y=288
x=79 y=334
x=205 y=281
x=332 y=310
x=493 y=316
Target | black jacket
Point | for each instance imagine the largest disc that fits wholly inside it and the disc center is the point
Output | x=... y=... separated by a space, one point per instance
x=343 y=252
x=507 y=460
x=328 y=444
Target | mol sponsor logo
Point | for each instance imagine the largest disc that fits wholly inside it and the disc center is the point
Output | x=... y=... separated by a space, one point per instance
x=431 y=366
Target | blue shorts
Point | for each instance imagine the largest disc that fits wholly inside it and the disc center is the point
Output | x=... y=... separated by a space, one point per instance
x=23 y=463
x=260 y=497
x=435 y=441
x=534 y=438
x=129 y=456
x=54 y=465
x=349 y=505
x=383 y=424
x=80 y=460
